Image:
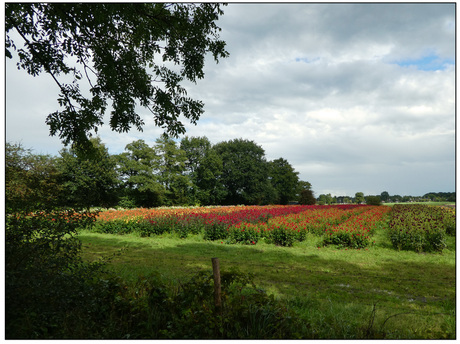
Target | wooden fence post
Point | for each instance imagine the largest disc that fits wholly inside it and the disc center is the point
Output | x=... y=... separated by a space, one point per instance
x=217 y=288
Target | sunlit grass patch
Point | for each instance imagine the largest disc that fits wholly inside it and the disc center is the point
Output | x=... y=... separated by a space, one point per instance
x=413 y=293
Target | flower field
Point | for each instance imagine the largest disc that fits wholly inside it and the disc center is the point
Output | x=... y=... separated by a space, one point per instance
x=421 y=228
x=342 y=225
x=409 y=227
x=326 y=262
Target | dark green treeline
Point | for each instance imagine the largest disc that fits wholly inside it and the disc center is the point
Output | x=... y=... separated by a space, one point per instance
x=166 y=173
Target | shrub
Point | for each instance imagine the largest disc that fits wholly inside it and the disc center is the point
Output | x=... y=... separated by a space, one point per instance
x=185 y=226
x=124 y=226
x=263 y=217
x=301 y=234
x=127 y=202
x=215 y=231
x=49 y=291
x=282 y=236
x=343 y=238
x=247 y=312
x=418 y=240
x=159 y=225
x=373 y=200
x=307 y=197
x=52 y=294
x=244 y=233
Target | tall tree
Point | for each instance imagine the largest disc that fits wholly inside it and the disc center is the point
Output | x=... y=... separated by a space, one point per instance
x=88 y=179
x=208 y=179
x=284 y=179
x=359 y=197
x=204 y=167
x=396 y=198
x=172 y=171
x=303 y=185
x=117 y=48
x=244 y=172
x=307 y=197
x=385 y=196
x=137 y=168
x=305 y=194
x=195 y=148
x=325 y=199
x=373 y=200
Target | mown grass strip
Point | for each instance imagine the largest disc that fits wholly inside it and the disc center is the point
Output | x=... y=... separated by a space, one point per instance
x=421 y=285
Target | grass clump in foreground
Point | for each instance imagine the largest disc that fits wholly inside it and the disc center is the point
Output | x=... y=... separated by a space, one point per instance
x=327 y=292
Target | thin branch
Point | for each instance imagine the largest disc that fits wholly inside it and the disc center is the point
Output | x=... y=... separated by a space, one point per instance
x=85 y=67
x=44 y=64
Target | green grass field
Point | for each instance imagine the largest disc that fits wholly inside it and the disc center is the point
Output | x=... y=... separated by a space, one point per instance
x=341 y=293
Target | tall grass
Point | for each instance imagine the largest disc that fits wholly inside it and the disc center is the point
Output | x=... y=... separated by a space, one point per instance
x=339 y=293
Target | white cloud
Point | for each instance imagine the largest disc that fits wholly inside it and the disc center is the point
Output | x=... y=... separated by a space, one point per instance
x=319 y=85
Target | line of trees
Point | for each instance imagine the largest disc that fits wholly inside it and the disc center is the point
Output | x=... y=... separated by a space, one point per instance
x=428 y=197
x=386 y=198
x=168 y=173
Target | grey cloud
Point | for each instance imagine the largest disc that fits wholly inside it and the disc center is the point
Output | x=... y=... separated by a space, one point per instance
x=335 y=28
x=317 y=85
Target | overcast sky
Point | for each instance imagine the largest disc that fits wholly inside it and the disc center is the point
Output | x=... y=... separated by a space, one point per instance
x=357 y=97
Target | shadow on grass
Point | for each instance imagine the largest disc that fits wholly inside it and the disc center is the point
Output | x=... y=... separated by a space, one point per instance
x=392 y=282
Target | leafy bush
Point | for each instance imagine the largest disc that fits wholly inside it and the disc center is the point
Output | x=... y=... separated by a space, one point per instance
x=159 y=225
x=244 y=233
x=127 y=202
x=373 y=200
x=282 y=236
x=124 y=226
x=418 y=240
x=307 y=197
x=215 y=231
x=183 y=227
x=301 y=234
x=52 y=294
x=189 y=313
x=343 y=238
x=49 y=291
x=319 y=226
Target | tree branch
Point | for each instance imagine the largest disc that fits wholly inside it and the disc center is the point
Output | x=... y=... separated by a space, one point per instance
x=43 y=63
